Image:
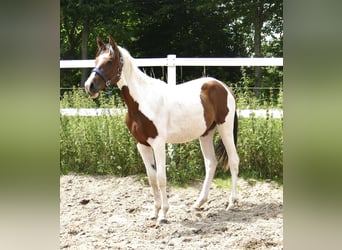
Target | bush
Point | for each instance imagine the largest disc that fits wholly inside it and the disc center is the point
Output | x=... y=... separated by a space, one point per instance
x=96 y=145
x=185 y=162
x=260 y=147
x=103 y=145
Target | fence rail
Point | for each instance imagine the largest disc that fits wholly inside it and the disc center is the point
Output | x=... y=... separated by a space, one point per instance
x=245 y=113
x=171 y=61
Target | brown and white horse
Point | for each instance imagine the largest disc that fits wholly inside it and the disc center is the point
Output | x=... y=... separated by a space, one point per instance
x=159 y=113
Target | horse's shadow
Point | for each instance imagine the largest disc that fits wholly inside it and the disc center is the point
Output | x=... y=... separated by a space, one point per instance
x=200 y=222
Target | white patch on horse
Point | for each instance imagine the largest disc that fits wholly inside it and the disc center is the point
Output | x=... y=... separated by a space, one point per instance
x=101 y=58
x=185 y=112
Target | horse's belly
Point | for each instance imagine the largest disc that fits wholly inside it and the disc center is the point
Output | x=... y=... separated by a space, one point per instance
x=185 y=130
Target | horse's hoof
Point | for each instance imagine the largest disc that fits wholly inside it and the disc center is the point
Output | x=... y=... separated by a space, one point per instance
x=231 y=204
x=229 y=207
x=197 y=208
x=151 y=218
x=163 y=221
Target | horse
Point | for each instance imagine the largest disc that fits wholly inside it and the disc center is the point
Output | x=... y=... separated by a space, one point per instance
x=160 y=113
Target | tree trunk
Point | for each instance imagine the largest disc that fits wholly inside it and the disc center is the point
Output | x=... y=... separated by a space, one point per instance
x=258 y=22
x=84 y=50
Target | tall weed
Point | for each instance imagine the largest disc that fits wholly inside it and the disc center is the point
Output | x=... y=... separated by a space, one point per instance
x=96 y=145
x=185 y=162
x=260 y=147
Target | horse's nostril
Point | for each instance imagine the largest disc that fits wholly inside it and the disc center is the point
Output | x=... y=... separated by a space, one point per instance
x=92 y=90
x=92 y=87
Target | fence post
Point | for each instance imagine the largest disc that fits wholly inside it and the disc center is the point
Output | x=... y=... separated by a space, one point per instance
x=171 y=69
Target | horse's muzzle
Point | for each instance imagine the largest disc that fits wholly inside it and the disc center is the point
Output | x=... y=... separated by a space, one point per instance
x=90 y=89
x=94 y=96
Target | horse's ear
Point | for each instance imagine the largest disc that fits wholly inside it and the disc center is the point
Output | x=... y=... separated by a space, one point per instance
x=100 y=43
x=112 y=42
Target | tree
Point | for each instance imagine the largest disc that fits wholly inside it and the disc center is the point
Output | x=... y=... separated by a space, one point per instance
x=189 y=29
x=260 y=19
x=82 y=21
x=155 y=28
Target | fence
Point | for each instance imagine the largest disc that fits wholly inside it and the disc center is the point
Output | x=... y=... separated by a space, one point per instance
x=171 y=61
x=245 y=113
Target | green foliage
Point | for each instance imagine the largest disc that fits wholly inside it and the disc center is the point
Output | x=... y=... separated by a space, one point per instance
x=269 y=95
x=103 y=144
x=185 y=162
x=96 y=145
x=260 y=147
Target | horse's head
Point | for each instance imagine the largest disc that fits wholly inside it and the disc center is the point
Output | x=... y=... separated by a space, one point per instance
x=108 y=67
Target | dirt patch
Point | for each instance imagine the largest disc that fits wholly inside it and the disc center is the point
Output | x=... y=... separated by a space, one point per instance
x=112 y=213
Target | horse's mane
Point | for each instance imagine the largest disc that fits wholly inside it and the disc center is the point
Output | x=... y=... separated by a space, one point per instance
x=130 y=66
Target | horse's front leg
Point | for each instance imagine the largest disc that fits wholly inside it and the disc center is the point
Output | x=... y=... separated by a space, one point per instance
x=158 y=146
x=146 y=153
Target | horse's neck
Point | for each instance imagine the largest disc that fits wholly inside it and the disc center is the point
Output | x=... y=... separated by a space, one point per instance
x=143 y=89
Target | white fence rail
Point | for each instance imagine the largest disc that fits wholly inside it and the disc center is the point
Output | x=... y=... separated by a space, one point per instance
x=245 y=113
x=171 y=61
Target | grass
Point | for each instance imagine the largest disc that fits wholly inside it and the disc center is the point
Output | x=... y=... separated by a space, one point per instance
x=223 y=182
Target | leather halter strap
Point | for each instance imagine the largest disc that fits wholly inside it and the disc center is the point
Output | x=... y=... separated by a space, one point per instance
x=117 y=75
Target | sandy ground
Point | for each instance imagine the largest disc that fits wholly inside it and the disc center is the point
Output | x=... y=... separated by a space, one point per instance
x=107 y=212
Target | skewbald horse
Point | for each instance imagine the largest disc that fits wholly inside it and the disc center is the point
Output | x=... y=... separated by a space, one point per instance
x=159 y=113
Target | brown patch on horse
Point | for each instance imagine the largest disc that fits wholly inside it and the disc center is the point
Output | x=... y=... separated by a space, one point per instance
x=138 y=124
x=214 y=100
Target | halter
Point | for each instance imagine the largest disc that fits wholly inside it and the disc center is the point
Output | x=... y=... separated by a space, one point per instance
x=117 y=75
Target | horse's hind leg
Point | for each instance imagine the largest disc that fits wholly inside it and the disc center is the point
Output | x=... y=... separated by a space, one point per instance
x=226 y=133
x=210 y=162
x=146 y=153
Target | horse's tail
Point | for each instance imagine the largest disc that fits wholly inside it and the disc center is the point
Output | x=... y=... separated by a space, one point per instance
x=220 y=148
x=235 y=129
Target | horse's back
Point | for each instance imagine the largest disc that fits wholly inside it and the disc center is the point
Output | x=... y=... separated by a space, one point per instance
x=185 y=110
